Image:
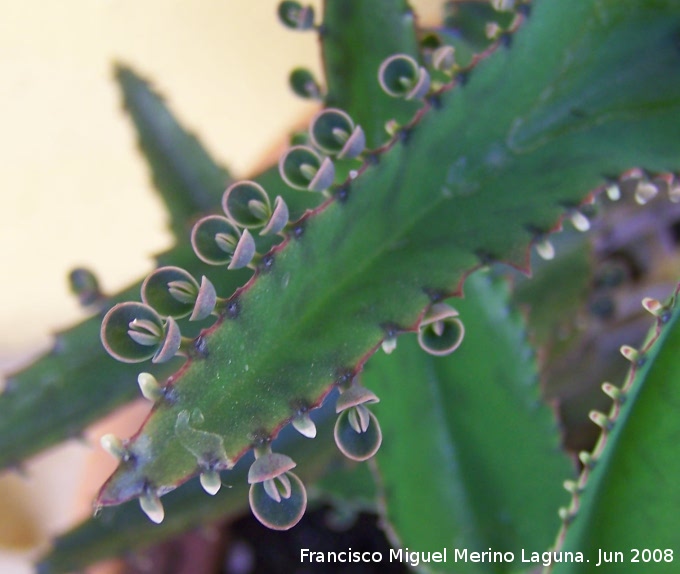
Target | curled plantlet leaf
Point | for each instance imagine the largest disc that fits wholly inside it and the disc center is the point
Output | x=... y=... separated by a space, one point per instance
x=656 y=308
x=244 y=252
x=613 y=392
x=304 y=425
x=172 y=341
x=441 y=331
x=400 y=76
x=645 y=191
x=587 y=459
x=303 y=84
x=279 y=218
x=268 y=466
x=216 y=240
x=211 y=481
x=247 y=204
x=334 y=132
x=444 y=59
x=277 y=497
x=357 y=433
x=392 y=127
x=114 y=446
x=302 y=168
x=171 y=291
x=492 y=30
x=152 y=506
x=674 y=191
x=295 y=16
x=572 y=487
x=613 y=192
x=206 y=300
x=149 y=386
x=600 y=419
x=133 y=332
x=353 y=396
x=579 y=221
x=279 y=503
x=633 y=355
x=85 y=286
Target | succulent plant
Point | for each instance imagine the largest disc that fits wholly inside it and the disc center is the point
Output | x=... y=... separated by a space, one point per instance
x=440 y=159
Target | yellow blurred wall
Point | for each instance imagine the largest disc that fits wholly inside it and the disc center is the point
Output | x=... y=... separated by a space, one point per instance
x=71 y=180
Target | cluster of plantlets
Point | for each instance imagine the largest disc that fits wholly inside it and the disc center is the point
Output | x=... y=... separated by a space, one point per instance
x=438 y=152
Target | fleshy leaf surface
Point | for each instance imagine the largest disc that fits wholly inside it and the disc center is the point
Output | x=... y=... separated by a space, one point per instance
x=490 y=475
x=123 y=529
x=384 y=27
x=586 y=89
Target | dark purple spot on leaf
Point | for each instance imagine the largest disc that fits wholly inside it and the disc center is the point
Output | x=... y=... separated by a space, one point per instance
x=404 y=135
x=267 y=262
x=345 y=377
x=298 y=231
x=342 y=193
x=372 y=159
x=233 y=309
x=201 y=347
x=435 y=295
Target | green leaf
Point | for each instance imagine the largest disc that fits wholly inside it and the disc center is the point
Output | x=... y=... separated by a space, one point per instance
x=630 y=496
x=470 y=457
x=557 y=289
x=465 y=27
x=186 y=177
x=357 y=36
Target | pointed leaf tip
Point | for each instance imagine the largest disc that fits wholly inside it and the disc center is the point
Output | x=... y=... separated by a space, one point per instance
x=131 y=332
x=278 y=512
x=244 y=252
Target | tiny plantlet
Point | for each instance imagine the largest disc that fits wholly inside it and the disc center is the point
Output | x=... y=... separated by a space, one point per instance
x=366 y=301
